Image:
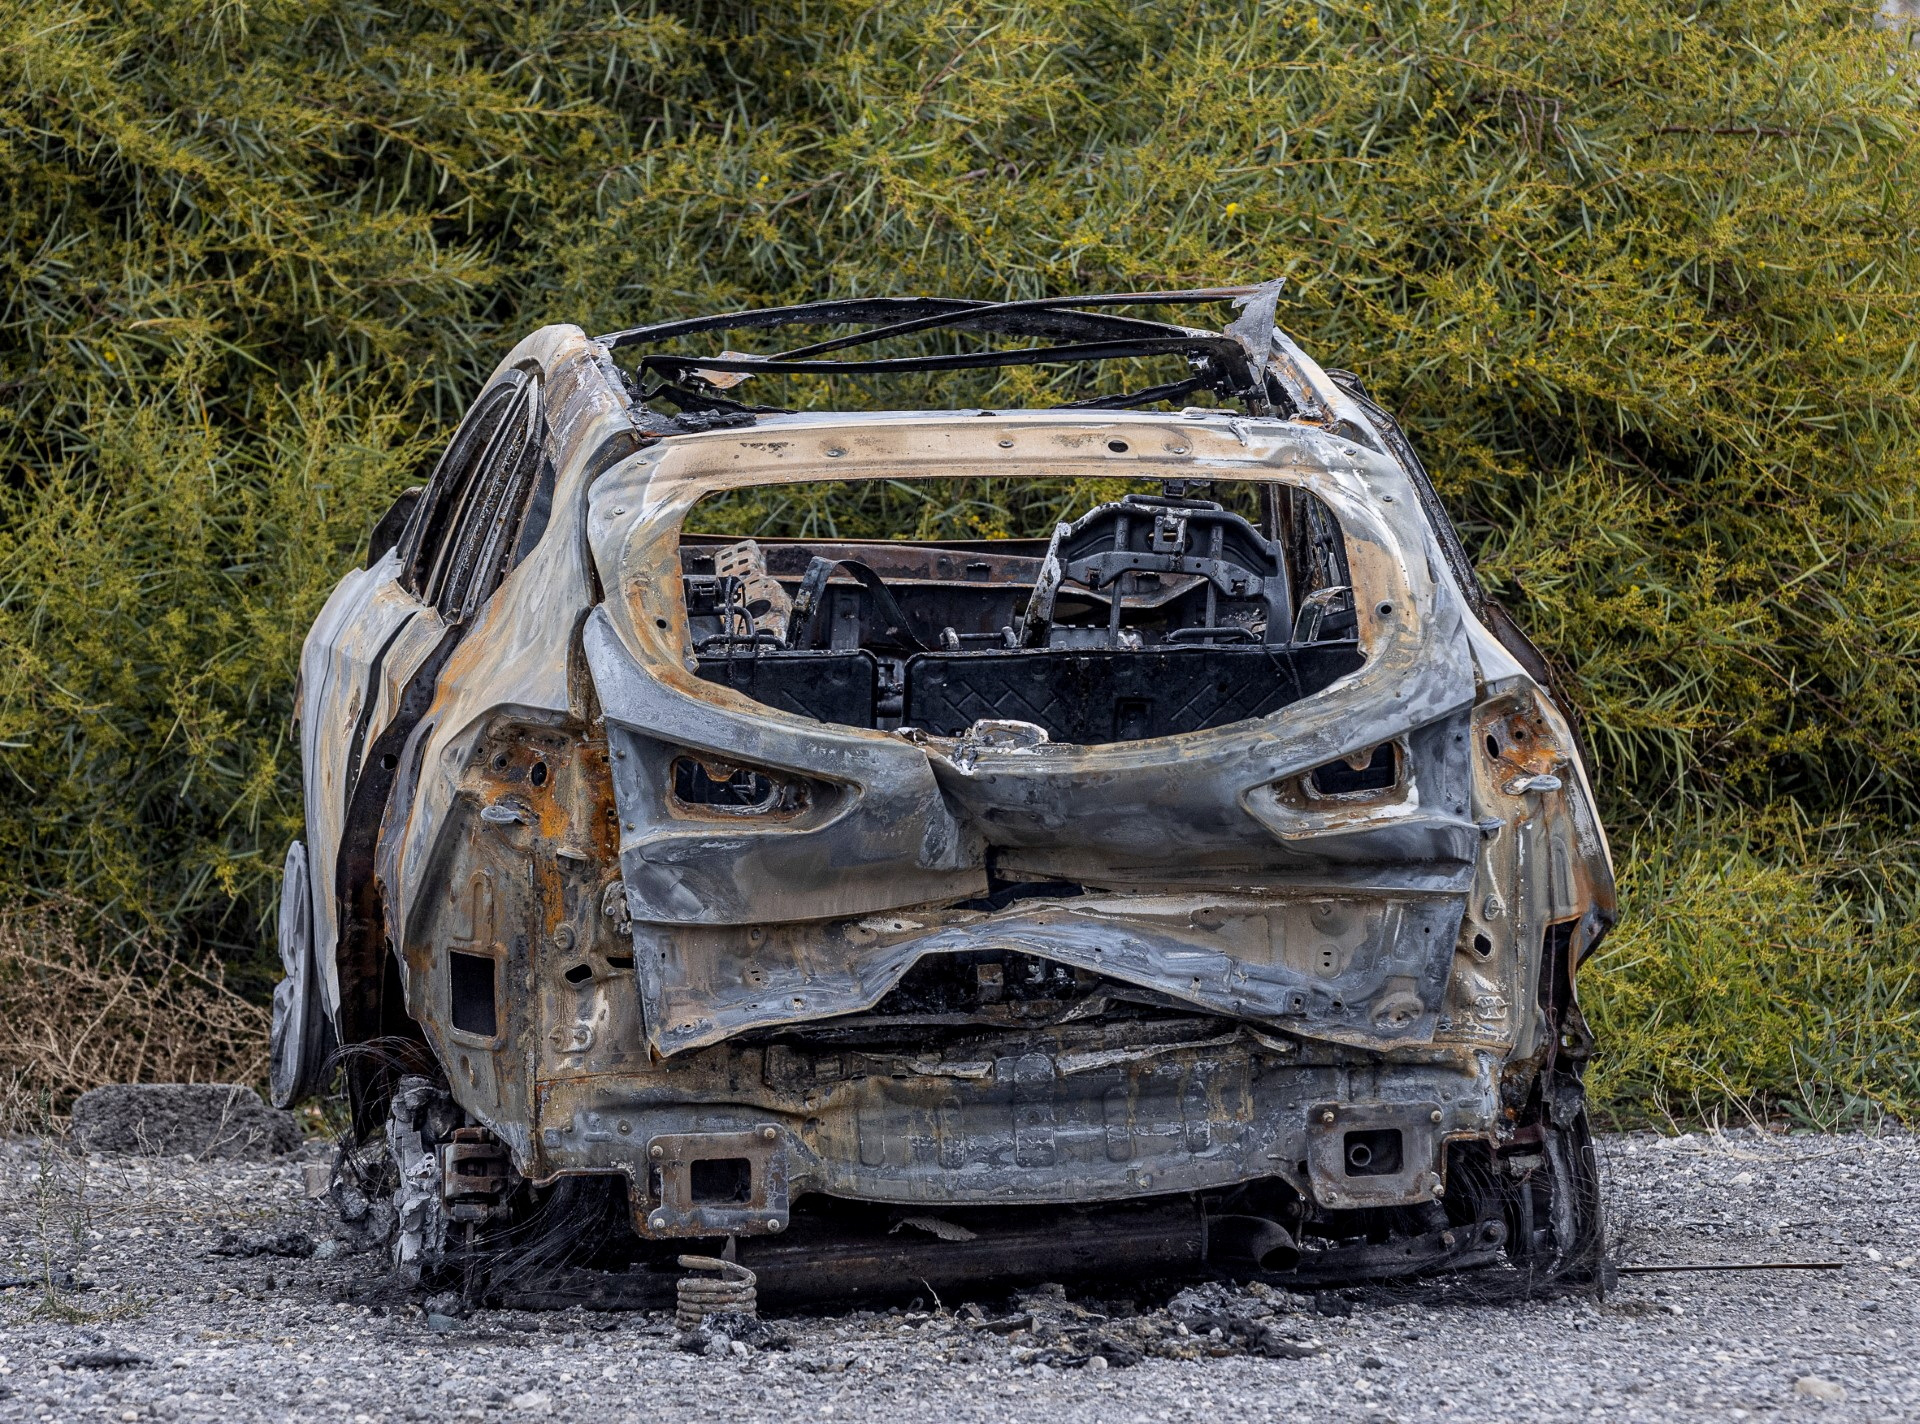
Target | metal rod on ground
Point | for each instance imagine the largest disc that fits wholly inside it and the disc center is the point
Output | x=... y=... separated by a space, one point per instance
x=1736 y=1266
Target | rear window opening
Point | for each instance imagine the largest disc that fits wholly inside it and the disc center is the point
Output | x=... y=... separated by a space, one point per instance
x=1101 y=610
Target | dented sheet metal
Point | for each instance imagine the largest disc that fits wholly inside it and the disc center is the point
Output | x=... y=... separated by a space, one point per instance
x=886 y=833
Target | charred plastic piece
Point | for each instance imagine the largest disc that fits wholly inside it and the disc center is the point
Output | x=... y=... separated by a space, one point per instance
x=1170 y=862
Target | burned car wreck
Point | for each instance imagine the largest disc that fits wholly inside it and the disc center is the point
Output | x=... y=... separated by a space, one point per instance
x=1195 y=881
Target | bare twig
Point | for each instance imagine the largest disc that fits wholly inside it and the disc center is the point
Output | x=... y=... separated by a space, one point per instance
x=76 y=1013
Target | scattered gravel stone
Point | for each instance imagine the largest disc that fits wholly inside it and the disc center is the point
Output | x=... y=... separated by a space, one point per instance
x=294 y=1244
x=720 y=1333
x=1813 y=1387
x=264 y=1338
x=201 y=1120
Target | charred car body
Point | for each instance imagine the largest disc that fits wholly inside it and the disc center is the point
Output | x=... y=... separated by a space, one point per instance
x=1202 y=878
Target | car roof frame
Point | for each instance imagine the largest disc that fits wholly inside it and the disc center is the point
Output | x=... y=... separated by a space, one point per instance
x=1227 y=363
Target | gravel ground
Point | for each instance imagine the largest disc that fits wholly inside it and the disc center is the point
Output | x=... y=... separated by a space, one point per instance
x=200 y=1335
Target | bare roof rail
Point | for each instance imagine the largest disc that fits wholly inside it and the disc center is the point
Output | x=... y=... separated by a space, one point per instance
x=1219 y=362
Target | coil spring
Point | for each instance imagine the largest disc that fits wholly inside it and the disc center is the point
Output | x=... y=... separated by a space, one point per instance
x=729 y=1293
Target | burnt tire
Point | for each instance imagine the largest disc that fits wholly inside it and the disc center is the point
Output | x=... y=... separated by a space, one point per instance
x=1556 y=1216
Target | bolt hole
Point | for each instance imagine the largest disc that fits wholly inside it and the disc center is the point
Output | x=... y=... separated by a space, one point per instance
x=1119 y=447
x=499 y=761
x=659 y=622
x=1385 y=610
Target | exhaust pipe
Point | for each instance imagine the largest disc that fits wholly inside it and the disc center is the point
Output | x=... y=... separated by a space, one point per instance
x=1251 y=1241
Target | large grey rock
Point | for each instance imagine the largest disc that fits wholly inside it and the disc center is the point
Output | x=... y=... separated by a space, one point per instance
x=174 y=1119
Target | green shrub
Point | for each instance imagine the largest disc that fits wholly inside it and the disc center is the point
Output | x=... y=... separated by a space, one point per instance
x=158 y=589
x=1640 y=276
x=1753 y=974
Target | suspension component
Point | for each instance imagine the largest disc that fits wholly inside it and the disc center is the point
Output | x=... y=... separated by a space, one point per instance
x=730 y=1293
x=475 y=1175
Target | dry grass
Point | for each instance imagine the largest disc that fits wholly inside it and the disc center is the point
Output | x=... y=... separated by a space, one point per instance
x=77 y=1012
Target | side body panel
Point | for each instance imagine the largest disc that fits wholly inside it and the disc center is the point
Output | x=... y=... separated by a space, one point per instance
x=364 y=644
x=510 y=694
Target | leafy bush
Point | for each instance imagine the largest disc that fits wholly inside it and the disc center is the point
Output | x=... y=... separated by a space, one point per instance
x=1759 y=973
x=1640 y=276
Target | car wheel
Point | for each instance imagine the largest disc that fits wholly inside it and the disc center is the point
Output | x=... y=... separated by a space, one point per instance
x=1557 y=1227
x=302 y=1039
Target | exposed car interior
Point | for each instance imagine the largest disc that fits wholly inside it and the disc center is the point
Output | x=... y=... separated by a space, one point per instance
x=1147 y=616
